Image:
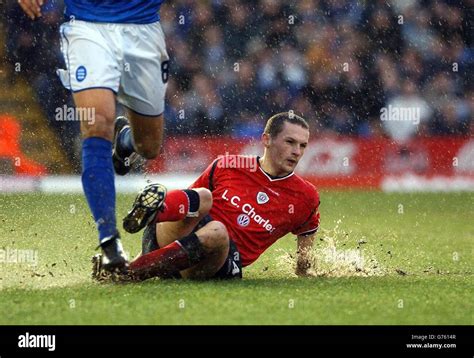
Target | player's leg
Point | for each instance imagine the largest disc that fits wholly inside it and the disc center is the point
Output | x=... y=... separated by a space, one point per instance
x=175 y=213
x=142 y=91
x=97 y=169
x=208 y=253
x=101 y=101
x=214 y=240
x=199 y=255
x=136 y=135
x=146 y=134
x=169 y=230
x=93 y=77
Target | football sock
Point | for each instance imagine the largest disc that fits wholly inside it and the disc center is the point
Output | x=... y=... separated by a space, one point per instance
x=169 y=260
x=125 y=145
x=149 y=241
x=98 y=184
x=178 y=205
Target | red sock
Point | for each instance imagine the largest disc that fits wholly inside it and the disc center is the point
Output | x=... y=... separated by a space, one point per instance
x=163 y=262
x=176 y=207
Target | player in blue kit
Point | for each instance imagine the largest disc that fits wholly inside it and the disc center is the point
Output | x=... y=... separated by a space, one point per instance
x=113 y=50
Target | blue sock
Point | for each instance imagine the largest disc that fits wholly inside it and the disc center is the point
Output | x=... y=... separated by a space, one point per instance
x=99 y=185
x=125 y=145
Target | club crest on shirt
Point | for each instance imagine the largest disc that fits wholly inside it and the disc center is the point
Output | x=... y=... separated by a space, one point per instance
x=262 y=197
x=81 y=73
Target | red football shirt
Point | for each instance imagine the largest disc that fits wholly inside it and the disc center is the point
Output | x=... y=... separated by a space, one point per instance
x=256 y=208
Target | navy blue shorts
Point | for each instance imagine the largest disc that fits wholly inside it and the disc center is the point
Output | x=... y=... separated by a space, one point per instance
x=232 y=267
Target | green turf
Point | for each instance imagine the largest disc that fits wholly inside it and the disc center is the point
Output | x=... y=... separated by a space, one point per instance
x=418 y=268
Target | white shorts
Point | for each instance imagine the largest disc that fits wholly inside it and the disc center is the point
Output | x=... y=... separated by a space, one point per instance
x=131 y=60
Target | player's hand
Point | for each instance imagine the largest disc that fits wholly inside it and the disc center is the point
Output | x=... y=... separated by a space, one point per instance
x=32 y=8
x=303 y=269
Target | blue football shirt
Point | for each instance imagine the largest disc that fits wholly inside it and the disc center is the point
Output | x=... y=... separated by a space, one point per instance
x=114 y=11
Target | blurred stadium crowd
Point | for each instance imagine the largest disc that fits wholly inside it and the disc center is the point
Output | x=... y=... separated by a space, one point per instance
x=235 y=62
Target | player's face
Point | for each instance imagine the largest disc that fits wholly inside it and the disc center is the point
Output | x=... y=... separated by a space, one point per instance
x=287 y=148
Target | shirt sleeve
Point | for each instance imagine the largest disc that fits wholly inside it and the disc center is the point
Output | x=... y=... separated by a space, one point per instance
x=206 y=179
x=311 y=225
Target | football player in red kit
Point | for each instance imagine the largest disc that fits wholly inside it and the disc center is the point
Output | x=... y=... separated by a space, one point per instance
x=231 y=214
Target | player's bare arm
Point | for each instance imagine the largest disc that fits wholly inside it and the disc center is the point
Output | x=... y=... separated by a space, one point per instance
x=32 y=8
x=304 y=245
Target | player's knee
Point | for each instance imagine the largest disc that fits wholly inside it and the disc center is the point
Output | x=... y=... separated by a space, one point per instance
x=98 y=126
x=205 y=200
x=216 y=237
